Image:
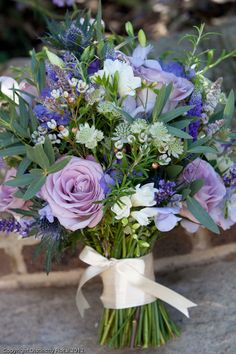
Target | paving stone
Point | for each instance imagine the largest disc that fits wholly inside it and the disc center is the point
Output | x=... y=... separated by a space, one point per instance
x=46 y=318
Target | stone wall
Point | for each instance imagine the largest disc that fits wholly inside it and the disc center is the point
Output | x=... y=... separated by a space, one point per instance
x=177 y=249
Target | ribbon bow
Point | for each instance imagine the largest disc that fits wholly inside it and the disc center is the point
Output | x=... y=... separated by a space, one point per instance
x=128 y=273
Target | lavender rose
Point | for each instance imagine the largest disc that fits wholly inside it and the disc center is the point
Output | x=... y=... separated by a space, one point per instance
x=73 y=193
x=211 y=194
x=7 y=199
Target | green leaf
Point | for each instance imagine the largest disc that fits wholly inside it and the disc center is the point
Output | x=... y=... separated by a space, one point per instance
x=59 y=165
x=196 y=185
x=199 y=142
x=7 y=139
x=177 y=112
x=201 y=215
x=162 y=96
x=34 y=188
x=181 y=124
x=24 y=113
x=37 y=155
x=48 y=148
x=178 y=132
x=229 y=109
x=202 y=150
x=24 y=164
x=13 y=151
x=174 y=171
x=22 y=180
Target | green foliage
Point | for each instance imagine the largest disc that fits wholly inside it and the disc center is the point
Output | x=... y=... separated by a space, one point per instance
x=201 y=215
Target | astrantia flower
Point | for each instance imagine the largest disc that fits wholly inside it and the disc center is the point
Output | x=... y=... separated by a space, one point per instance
x=127 y=82
x=175 y=147
x=122 y=132
x=159 y=133
x=138 y=126
x=89 y=136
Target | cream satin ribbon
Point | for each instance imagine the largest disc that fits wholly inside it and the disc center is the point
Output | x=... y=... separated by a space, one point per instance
x=127 y=282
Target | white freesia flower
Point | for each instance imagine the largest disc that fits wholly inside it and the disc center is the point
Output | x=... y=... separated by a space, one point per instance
x=165 y=218
x=122 y=208
x=127 y=82
x=144 y=195
x=89 y=136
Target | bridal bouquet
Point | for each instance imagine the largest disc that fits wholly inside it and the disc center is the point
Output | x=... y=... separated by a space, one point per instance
x=109 y=146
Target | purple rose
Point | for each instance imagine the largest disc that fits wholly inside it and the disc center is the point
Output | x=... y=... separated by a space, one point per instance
x=7 y=199
x=73 y=193
x=211 y=194
x=152 y=72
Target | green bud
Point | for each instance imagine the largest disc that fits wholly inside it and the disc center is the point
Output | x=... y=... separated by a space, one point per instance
x=142 y=38
x=136 y=226
x=124 y=221
x=144 y=244
x=129 y=29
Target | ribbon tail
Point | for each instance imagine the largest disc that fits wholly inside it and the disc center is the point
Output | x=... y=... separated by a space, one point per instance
x=157 y=290
x=89 y=273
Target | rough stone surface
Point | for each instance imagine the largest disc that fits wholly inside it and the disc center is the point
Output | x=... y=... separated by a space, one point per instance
x=47 y=318
x=5 y=263
x=69 y=260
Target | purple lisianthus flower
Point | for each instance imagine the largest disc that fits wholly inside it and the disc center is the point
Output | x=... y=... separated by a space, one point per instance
x=8 y=200
x=46 y=212
x=152 y=72
x=212 y=192
x=219 y=213
x=74 y=193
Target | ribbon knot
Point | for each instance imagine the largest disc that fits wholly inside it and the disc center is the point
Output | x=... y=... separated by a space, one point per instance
x=128 y=282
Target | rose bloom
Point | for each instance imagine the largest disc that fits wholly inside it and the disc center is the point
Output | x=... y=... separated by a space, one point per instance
x=7 y=199
x=212 y=192
x=73 y=192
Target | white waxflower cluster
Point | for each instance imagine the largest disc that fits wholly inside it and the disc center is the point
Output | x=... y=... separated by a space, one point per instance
x=80 y=85
x=89 y=136
x=38 y=136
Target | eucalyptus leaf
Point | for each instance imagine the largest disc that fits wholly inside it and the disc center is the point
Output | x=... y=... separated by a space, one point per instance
x=162 y=96
x=59 y=165
x=22 y=180
x=34 y=187
x=201 y=215
x=202 y=150
x=13 y=151
x=49 y=151
x=174 y=170
x=178 y=132
x=177 y=112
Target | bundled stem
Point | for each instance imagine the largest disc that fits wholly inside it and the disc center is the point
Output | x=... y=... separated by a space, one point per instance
x=141 y=326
